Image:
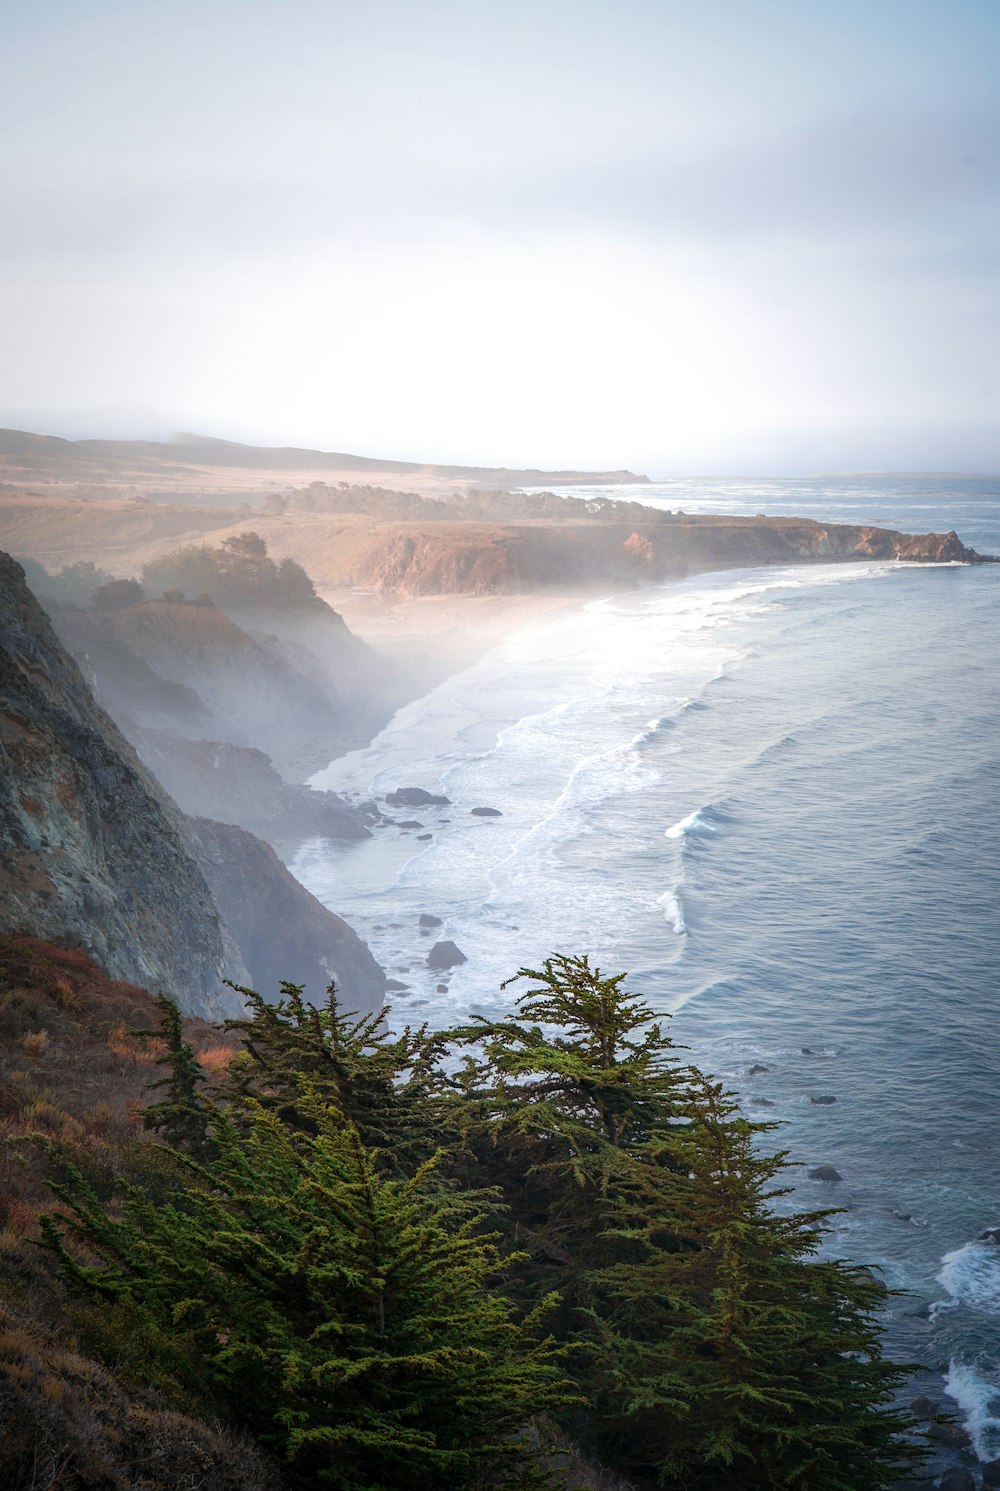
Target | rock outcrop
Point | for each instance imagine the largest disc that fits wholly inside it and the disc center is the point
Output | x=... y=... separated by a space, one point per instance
x=249 y=690
x=282 y=931
x=237 y=784
x=90 y=848
x=93 y=851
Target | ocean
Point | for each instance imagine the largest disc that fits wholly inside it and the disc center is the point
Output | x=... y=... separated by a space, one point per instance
x=773 y=796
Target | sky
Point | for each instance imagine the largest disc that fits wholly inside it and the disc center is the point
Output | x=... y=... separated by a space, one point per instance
x=745 y=236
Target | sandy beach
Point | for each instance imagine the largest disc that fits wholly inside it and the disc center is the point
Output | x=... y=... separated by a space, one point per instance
x=443 y=634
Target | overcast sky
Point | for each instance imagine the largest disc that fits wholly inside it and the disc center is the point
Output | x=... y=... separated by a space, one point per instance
x=680 y=235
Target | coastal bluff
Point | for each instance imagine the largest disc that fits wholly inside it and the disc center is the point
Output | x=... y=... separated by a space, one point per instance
x=355 y=538
x=93 y=852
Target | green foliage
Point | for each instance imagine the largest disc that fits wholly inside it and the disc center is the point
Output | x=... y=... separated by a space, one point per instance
x=388 y=1087
x=347 y=1319
x=316 y=1256
x=182 y=1116
x=716 y=1351
x=115 y=595
x=238 y=573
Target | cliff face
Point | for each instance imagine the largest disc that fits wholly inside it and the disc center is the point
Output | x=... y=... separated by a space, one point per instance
x=489 y=559
x=297 y=938
x=90 y=849
x=250 y=691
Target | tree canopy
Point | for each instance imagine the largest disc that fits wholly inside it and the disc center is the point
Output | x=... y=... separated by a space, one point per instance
x=385 y=1257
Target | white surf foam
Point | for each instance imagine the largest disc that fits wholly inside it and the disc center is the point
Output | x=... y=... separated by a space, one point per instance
x=694 y=821
x=971 y=1275
x=673 y=911
x=978 y=1396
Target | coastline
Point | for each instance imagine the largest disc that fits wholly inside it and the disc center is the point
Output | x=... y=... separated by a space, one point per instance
x=436 y=636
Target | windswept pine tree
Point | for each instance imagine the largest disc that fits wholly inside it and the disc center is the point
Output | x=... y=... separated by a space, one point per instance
x=362 y=1246
x=716 y=1350
x=351 y=1322
x=388 y=1086
x=181 y=1116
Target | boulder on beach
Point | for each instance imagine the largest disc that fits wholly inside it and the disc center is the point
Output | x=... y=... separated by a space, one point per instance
x=824 y=1172
x=415 y=797
x=486 y=812
x=426 y=920
x=445 y=955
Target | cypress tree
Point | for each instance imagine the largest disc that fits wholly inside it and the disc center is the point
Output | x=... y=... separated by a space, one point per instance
x=182 y=1116
x=386 y=1085
x=351 y=1321
x=717 y=1351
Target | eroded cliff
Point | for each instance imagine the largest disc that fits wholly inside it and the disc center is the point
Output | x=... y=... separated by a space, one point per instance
x=90 y=849
x=94 y=852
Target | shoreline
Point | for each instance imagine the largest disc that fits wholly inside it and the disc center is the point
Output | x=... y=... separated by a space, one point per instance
x=438 y=636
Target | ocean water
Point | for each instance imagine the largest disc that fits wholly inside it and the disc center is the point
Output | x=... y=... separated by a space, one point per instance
x=774 y=797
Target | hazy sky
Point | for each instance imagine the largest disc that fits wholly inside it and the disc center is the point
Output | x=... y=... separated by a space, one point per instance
x=690 y=235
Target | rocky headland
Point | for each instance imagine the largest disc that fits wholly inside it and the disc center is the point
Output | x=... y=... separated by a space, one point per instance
x=94 y=852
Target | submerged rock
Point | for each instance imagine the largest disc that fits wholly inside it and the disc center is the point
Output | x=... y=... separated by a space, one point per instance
x=757 y=1068
x=952 y=1436
x=992 y=1234
x=393 y=986
x=415 y=797
x=409 y=823
x=991 y=1473
x=957 y=1479
x=425 y=919
x=445 y=955
x=824 y=1100
x=486 y=812
x=824 y=1172
x=923 y=1408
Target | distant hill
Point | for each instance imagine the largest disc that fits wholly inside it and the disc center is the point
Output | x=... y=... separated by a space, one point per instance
x=201 y=466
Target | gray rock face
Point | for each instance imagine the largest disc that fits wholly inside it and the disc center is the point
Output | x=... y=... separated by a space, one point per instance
x=445 y=955
x=991 y=1473
x=282 y=931
x=238 y=784
x=91 y=849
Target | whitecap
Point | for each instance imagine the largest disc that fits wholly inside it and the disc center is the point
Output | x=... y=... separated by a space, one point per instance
x=688 y=825
x=971 y=1275
x=978 y=1396
x=673 y=911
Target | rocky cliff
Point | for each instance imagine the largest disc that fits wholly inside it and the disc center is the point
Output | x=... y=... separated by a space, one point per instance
x=439 y=558
x=596 y=541
x=90 y=849
x=297 y=939
x=93 y=850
